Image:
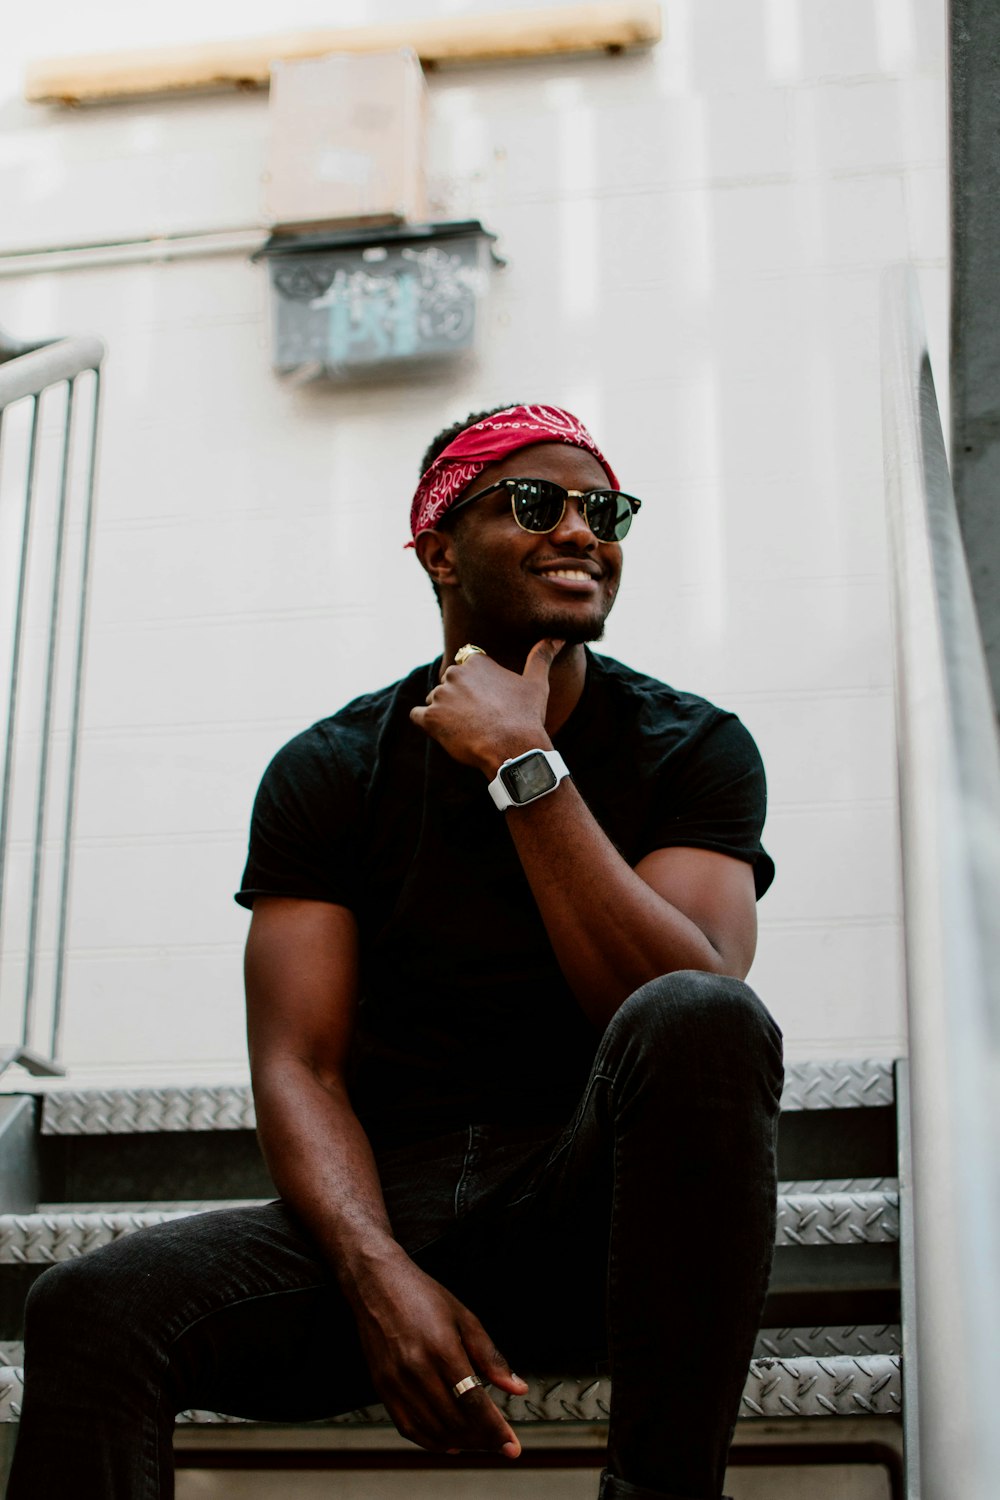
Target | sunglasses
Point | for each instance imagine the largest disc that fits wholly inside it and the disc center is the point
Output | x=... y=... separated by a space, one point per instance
x=540 y=504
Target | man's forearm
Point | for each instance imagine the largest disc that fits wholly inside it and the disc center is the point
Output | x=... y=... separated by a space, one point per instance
x=322 y=1165
x=611 y=932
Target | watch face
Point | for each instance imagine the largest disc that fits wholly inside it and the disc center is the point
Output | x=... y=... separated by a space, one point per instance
x=529 y=778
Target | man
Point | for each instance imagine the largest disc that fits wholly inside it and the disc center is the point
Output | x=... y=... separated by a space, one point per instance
x=505 y=1069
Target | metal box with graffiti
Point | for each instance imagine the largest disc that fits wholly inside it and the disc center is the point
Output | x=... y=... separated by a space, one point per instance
x=354 y=302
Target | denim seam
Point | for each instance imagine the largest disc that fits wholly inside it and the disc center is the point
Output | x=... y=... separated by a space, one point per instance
x=565 y=1141
x=460 y=1184
x=290 y=1291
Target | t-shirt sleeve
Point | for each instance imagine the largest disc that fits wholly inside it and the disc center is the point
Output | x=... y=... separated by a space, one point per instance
x=716 y=798
x=304 y=829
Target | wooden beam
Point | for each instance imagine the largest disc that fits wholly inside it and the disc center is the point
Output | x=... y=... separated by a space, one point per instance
x=610 y=26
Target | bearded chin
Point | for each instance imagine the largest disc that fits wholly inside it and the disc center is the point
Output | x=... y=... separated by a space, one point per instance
x=570 y=632
x=578 y=632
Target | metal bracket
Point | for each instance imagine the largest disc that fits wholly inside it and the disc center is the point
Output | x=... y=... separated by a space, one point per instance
x=32 y=1062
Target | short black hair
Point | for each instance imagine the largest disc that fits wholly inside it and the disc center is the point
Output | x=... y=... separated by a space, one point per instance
x=440 y=443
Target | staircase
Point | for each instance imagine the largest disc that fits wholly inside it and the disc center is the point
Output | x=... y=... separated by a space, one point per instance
x=79 y=1169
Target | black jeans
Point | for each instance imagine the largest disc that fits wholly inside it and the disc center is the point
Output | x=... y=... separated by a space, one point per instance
x=638 y=1239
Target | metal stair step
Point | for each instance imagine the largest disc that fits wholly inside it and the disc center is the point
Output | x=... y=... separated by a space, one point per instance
x=824 y=1343
x=856 y=1385
x=147 y=1110
x=838 y=1084
x=808 y=1086
x=853 y=1212
x=149 y=1205
x=859 y=1211
x=46 y=1237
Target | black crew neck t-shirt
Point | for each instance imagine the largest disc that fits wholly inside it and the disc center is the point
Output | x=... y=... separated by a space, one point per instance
x=464 y=1014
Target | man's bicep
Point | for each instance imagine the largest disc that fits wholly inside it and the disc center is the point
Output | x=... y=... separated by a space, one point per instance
x=716 y=892
x=301 y=971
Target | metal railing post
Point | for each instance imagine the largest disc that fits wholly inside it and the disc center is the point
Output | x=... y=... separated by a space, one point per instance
x=27 y=1027
x=27 y=373
x=74 y=731
x=15 y=652
x=949 y=783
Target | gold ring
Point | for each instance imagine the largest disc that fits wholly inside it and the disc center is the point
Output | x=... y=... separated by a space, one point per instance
x=470 y=1383
x=464 y=652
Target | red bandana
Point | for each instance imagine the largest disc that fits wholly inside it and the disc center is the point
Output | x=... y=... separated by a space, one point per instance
x=484 y=443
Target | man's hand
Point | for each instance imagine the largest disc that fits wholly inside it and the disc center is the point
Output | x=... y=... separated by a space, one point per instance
x=419 y=1342
x=482 y=714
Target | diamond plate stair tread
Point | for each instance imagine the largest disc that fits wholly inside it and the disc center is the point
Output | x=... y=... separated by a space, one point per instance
x=150 y=1206
x=830 y=1216
x=838 y=1084
x=803 y=1387
x=143 y=1111
x=808 y=1085
x=788 y=1186
x=45 y=1238
x=838 y=1214
x=795 y=1343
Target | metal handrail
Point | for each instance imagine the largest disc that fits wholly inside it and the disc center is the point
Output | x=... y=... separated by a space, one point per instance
x=27 y=372
x=29 y=369
x=949 y=784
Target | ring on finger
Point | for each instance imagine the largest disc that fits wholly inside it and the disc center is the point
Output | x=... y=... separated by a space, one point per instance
x=464 y=652
x=463 y=1387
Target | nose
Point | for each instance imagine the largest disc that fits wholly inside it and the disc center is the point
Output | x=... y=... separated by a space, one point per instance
x=573 y=530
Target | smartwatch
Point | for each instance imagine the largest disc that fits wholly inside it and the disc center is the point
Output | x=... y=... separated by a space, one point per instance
x=527 y=777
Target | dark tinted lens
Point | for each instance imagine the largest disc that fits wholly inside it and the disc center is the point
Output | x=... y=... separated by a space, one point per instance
x=609 y=515
x=538 y=503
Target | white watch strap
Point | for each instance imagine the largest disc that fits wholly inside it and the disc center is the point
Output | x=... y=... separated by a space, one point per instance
x=499 y=792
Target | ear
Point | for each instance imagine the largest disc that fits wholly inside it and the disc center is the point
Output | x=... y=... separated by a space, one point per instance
x=436 y=553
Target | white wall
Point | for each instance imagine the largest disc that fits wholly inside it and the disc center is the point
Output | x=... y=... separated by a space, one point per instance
x=695 y=237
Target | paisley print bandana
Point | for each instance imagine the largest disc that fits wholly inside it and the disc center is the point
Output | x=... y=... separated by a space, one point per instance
x=484 y=443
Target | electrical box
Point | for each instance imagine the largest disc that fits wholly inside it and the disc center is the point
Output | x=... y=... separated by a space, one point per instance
x=347 y=137
x=361 y=302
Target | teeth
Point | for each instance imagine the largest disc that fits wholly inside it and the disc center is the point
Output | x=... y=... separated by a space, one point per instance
x=574 y=573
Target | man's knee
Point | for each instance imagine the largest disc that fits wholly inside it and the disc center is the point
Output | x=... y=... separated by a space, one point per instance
x=64 y=1298
x=106 y=1295
x=696 y=1020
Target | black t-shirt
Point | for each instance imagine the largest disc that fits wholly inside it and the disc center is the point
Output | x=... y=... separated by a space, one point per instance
x=464 y=1013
